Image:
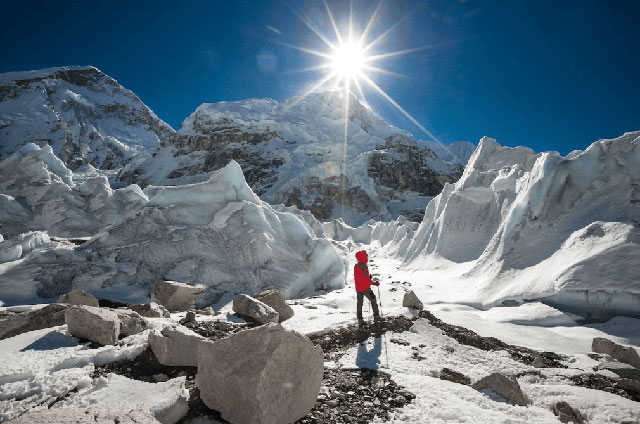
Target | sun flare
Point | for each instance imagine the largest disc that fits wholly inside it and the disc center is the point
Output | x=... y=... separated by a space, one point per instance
x=348 y=60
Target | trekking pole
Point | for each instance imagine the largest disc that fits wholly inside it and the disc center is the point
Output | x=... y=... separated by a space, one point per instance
x=386 y=351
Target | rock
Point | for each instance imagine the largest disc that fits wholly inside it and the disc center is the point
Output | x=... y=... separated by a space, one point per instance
x=538 y=362
x=175 y=346
x=49 y=316
x=629 y=385
x=160 y=378
x=78 y=297
x=277 y=380
x=625 y=354
x=249 y=308
x=620 y=368
x=151 y=310
x=504 y=386
x=206 y=311
x=177 y=297
x=96 y=324
x=410 y=300
x=567 y=414
x=189 y=317
x=456 y=377
x=130 y=322
x=275 y=299
x=92 y=415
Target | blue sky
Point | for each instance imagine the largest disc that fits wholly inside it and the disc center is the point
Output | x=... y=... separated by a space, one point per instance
x=551 y=75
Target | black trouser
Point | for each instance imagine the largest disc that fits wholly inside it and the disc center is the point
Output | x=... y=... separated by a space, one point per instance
x=372 y=298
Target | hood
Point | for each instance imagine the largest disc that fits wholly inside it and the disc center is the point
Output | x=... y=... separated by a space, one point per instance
x=361 y=256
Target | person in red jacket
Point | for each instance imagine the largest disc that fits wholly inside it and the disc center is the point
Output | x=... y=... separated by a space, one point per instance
x=363 y=286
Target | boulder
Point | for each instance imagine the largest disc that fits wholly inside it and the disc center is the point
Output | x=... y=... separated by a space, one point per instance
x=629 y=385
x=567 y=414
x=175 y=346
x=275 y=300
x=410 y=300
x=276 y=381
x=177 y=297
x=151 y=310
x=454 y=376
x=189 y=317
x=620 y=368
x=252 y=309
x=37 y=319
x=625 y=354
x=130 y=322
x=503 y=386
x=206 y=311
x=78 y=297
x=96 y=324
x=103 y=414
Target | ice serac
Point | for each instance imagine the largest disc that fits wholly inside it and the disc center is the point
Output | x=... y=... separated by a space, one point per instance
x=541 y=226
x=217 y=233
x=38 y=193
x=83 y=114
x=294 y=153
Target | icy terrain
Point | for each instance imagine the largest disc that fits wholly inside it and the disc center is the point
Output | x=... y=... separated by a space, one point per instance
x=86 y=116
x=294 y=153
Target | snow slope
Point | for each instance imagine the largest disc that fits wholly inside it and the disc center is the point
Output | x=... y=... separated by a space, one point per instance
x=85 y=115
x=217 y=233
x=294 y=153
x=524 y=225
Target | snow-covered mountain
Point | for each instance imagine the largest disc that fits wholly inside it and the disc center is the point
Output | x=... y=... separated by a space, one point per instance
x=526 y=225
x=294 y=153
x=85 y=115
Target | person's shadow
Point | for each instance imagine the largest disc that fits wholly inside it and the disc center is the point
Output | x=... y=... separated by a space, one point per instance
x=369 y=358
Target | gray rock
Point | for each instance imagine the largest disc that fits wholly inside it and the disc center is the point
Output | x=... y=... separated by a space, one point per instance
x=276 y=381
x=151 y=310
x=410 y=300
x=275 y=299
x=189 y=317
x=567 y=414
x=175 y=346
x=625 y=354
x=503 y=386
x=160 y=378
x=249 y=308
x=620 y=368
x=206 y=311
x=100 y=325
x=91 y=415
x=175 y=296
x=78 y=297
x=538 y=362
x=130 y=322
x=629 y=385
x=49 y=316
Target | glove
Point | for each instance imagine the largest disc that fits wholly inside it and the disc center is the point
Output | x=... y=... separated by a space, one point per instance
x=376 y=283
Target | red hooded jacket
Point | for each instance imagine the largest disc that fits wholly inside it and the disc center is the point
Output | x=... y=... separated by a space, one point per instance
x=363 y=279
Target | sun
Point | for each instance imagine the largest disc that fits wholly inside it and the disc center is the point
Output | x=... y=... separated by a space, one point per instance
x=348 y=60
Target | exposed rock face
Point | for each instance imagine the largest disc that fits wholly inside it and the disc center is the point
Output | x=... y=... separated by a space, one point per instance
x=175 y=346
x=252 y=309
x=96 y=324
x=177 y=296
x=625 y=354
x=275 y=300
x=151 y=310
x=108 y=414
x=622 y=369
x=567 y=414
x=277 y=381
x=49 y=316
x=86 y=116
x=78 y=297
x=410 y=300
x=130 y=322
x=294 y=153
x=504 y=386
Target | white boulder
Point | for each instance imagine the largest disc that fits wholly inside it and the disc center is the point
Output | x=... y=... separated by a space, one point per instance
x=625 y=354
x=175 y=346
x=503 y=386
x=100 y=325
x=103 y=414
x=131 y=322
x=277 y=381
x=175 y=296
x=248 y=307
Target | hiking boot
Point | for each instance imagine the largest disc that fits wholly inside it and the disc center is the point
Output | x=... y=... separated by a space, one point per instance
x=377 y=318
x=361 y=322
